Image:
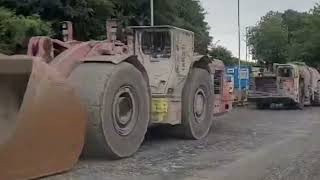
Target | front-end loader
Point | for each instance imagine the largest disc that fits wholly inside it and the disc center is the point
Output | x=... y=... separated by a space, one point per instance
x=291 y=85
x=98 y=98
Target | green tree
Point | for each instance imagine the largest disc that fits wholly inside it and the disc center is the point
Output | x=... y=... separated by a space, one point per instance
x=288 y=36
x=223 y=54
x=15 y=31
x=269 y=39
x=89 y=16
x=305 y=45
x=294 y=21
x=187 y=14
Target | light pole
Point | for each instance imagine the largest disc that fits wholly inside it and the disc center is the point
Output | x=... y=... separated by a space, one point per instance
x=239 y=41
x=152 y=13
x=248 y=47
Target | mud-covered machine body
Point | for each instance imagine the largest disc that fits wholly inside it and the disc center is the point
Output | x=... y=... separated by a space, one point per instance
x=290 y=85
x=98 y=98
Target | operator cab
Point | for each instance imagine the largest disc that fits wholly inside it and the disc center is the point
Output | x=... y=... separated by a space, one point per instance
x=167 y=54
x=285 y=72
x=286 y=79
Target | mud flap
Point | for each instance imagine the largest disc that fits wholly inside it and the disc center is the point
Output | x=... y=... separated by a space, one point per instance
x=42 y=121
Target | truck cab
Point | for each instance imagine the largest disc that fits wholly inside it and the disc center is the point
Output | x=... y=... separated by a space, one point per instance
x=167 y=53
x=288 y=80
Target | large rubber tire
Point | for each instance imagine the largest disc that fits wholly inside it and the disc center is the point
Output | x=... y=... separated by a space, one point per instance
x=300 y=104
x=196 y=125
x=262 y=106
x=316 y=101
x=118 y=103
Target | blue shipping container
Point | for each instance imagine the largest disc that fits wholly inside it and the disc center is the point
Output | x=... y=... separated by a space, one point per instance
x=244 y=76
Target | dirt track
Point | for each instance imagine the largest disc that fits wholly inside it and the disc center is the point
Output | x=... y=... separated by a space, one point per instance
x=245 y=144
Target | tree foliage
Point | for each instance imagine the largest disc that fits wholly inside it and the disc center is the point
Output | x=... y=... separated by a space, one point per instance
x=223 y=54
x=269 y=39
x=288 y=36
x=89 y=16
x=16 y=30
x=305 y=44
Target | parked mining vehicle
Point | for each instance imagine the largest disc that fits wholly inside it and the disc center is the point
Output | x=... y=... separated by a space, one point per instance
x=98 y=98
x=291 y=85
x=223 y=94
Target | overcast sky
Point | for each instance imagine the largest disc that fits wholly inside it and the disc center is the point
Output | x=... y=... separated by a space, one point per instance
x=222 y=17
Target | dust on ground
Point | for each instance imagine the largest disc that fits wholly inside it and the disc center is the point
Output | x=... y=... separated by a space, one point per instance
x=245 y=144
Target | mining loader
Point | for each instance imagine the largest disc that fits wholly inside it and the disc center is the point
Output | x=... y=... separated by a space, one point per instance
x=290 y=85
x=98 y=98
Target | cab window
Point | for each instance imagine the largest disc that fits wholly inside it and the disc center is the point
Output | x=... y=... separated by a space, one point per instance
x=218 y=77
x=156 y=44
x=285 y=72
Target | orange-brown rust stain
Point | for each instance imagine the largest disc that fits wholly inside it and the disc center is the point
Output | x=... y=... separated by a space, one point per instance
x=49 y=128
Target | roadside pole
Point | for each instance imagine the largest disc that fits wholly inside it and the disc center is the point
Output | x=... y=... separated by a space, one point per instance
x=152 y=13
x=239 y=46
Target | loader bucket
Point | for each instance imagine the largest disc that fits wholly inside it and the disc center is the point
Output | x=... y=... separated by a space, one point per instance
x=42 y=122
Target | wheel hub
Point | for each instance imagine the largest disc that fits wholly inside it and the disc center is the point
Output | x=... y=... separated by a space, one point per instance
x=199 y=105
x=124 y=109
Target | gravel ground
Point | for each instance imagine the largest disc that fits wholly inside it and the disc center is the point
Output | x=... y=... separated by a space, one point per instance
x=244 y=144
